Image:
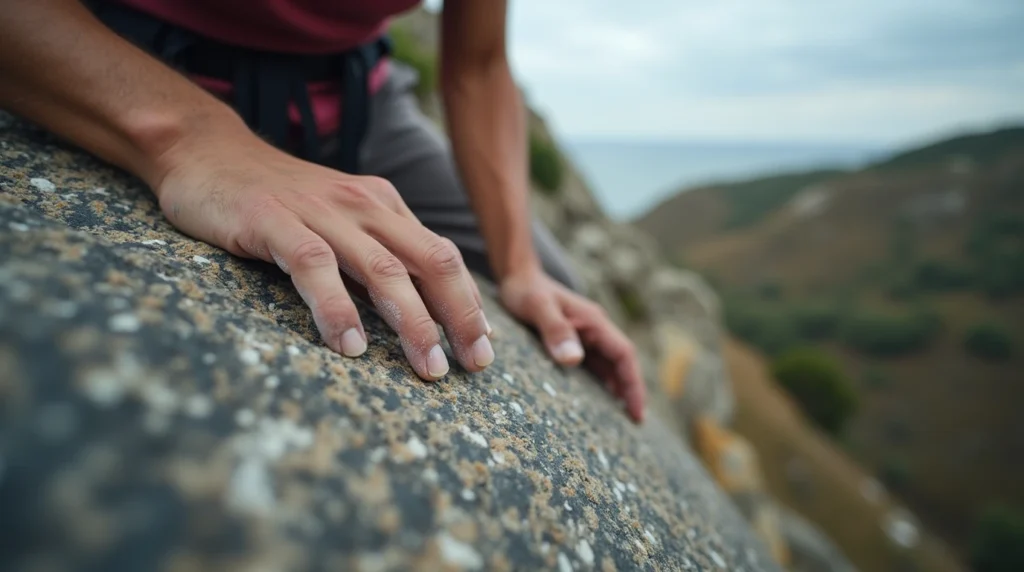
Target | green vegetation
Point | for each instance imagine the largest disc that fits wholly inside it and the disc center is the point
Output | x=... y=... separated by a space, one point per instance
x=939 y=276
x=765 y=326
x=632 y=304
x=546 y=169
x=895 y=474
x=406 y=50
x=997 y=541
x=875 y=378
x=996 y=246
x=891 y=335
x=818 y=384
x=775 y=327
x=981 y=148
x=816 y=321
x=989 y=341
x=751 y=201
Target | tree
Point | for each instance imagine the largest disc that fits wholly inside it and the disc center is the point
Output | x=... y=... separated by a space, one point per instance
x=819 y=385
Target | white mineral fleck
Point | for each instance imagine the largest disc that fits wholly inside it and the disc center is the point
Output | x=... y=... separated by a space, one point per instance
x=473 y=436
x=717 y=558
x=249 y=356
x=508 y=377
x=563 y=563
x=517 y=408
x=200 y=259
x=551 y=390
x=154 y=242
x=417 y=448
x=245 y=417
x=17 y=226
x=198 y=406
x=459 y=553
x=125 y=323
x=250 y=489
x=42 y=184
x=585 y=553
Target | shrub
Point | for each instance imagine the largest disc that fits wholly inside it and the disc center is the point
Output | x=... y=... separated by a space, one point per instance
x=766 y=327
x=887 y=335
x=895 y=474
x=405 y=49
x=989 y=341
x=815 y=321
x=818 y=384
x=997 y=541
x=769 y=291
x=546 y=168
x=996 y=247
x=875 y=378
x=939 y=276
x=632 y=304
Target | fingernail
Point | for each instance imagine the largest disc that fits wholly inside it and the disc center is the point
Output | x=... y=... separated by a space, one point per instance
x=437 y=364
x=568 y=350
x=352 y=343
x=488 y=325
x=483 y=353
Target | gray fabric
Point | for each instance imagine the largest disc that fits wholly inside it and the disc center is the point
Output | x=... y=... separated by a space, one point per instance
x=403 y=146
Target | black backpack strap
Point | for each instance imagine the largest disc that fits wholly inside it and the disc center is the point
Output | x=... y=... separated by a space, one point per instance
x=265 y=83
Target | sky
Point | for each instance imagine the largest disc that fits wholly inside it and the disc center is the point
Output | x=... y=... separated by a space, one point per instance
x=883 y=72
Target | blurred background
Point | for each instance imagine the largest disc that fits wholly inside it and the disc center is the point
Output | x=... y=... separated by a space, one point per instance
x=849 y=178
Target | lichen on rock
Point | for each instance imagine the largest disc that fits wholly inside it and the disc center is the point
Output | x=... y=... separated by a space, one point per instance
x=167 y=405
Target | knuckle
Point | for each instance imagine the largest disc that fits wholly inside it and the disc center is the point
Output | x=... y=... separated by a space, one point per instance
x=423 y=322
x=312 y=253
x=260 y=210
x=354 y=195
x=337 y=306
x=383 y=265
x=442 y=259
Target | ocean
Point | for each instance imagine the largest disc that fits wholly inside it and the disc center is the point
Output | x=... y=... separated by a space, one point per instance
x=630 y=177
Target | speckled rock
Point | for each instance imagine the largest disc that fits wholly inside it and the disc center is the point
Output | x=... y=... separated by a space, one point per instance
x=166 y=406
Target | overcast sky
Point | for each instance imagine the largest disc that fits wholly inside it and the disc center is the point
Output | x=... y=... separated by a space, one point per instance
x=875 y=71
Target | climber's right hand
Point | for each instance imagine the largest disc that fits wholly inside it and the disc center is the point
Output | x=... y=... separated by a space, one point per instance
x=249 y=198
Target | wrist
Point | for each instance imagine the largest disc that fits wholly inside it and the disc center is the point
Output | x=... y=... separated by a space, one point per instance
x=165 y=139
x=522 y=268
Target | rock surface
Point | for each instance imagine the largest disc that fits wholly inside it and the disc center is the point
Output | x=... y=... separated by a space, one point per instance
x=168 y=406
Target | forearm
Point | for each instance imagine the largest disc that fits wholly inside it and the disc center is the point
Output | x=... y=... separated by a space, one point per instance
x=64 y=70
x=486 y=121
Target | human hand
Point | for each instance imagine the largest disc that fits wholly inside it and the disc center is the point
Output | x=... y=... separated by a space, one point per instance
x=243 y=195
x=565 y=319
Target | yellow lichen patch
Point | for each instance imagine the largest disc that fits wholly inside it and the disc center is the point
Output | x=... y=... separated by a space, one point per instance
x=728 y=456
x=677 y=358
x=767 y=527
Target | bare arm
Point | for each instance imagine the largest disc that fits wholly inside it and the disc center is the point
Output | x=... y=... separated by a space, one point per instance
x=66 y=71
x=220 y=183
x=486 y=121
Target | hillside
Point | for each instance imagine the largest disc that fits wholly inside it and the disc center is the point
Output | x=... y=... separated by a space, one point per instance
x=910 y=273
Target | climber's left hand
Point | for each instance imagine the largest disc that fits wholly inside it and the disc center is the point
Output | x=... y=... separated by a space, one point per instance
x=576 y=330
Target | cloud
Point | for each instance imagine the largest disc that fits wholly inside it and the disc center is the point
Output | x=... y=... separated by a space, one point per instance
x=867 y=69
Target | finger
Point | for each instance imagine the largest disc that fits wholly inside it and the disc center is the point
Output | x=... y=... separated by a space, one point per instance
x=442 y=278
x=314 y=270
x=558 y=333
x=391 y=291
x=393 y=200
x=604 y=337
